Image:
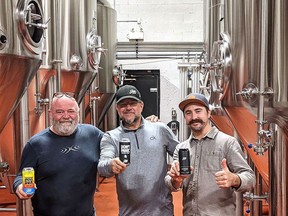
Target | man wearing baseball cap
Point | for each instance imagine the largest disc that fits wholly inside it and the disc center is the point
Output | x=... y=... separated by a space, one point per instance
x=218 y=166
x=128 y=92
x=140 y=185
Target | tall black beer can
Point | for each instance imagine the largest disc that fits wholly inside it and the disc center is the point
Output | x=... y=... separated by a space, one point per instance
x=124 y=150
x=184 y=161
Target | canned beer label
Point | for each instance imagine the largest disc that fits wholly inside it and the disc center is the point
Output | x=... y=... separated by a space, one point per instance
x=28 y=180
x=184 y=161
x=124 y=150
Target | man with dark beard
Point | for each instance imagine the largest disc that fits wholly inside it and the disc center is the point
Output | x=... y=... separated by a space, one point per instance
x=65 y=158
x=217 y=163
x=140 y=185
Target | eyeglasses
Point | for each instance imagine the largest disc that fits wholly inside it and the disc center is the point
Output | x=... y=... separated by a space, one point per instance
x=61 y=94
x=130 y=103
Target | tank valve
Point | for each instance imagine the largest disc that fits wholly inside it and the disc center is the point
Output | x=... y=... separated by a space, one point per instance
x=259 y=148
x=264 y=138
x=264 y=134
x=250 y=197
x=4 y=167
x=40 y=103
x=250 y=92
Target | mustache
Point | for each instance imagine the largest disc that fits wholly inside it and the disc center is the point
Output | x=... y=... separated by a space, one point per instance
x=65 y=122
x=195 y=121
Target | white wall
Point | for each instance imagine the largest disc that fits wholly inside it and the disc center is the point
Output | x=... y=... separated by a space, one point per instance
x=162 y=21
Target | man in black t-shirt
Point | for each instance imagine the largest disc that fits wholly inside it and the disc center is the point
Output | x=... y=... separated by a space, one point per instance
x=65 y=158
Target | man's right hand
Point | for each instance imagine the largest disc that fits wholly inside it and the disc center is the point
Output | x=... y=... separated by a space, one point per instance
x=21 y=194
x=176 y=178
x=117 y=166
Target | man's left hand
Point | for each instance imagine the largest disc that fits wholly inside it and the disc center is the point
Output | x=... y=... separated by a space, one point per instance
x=225 y=178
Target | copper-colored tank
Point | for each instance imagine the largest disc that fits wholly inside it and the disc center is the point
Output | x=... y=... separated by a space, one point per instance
x=20 y=51
x=21 y=35
x=78 y=33
x=250 y=57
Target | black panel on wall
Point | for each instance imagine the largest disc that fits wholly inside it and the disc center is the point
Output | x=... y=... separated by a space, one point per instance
x=148 y=83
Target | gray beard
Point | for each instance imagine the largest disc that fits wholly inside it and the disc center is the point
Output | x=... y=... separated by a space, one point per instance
x=64 y=129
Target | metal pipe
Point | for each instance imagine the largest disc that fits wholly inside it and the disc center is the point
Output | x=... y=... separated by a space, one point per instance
x=161 y=46
x=23 y=134
x=94 y=110
x=187 y=83
x=47 y=121
x=260 y=112
x=263 y=67
x=257 y=206
x=57 y=45
x=58 y=76
x=7 y=209
x=141 y=55
x=159 y=50
x=38 y=109
x=239 y=204
x=105 y=110
x=17 y=152
x=278 y=175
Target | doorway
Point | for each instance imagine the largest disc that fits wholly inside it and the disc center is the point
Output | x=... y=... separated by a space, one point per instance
x=148 y=83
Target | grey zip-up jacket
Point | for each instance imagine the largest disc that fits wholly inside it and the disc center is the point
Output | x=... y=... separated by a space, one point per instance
x=141 y=189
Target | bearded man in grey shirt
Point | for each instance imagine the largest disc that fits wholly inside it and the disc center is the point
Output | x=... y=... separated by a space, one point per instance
x=217 y=163
x=140 y=185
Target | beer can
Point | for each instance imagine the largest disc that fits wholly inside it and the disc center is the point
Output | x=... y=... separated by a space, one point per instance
x=28 y=180
x=184 y=161
x=124 y=150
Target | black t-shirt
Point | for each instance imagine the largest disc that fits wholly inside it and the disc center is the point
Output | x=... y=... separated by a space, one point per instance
x=65 y=171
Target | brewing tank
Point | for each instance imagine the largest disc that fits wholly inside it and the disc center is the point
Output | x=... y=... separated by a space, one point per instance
x=255 y=94
x=21 y=34
x=107 y=28
x=71 y=42
x=103 y=86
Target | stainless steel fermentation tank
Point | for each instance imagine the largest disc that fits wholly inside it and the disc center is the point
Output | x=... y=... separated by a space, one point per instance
x=80 y=54
x=20 y=51
x=48 y=46
x=71 y=45
x=246 y=43
x=21 y=34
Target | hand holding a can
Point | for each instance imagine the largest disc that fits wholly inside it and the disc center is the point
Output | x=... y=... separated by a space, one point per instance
x=176 y=177
x=27 y=189
x=21 y=193
x=117 y=166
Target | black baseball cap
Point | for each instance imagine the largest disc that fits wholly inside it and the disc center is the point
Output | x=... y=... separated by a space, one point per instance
x=128 y=91
x=194 y=98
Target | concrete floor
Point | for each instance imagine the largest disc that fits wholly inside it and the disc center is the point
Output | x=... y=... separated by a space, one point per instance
x=105 y=200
